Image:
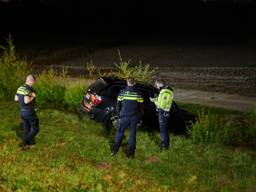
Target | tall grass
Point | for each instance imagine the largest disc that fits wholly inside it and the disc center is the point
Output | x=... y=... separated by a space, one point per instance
x=228 y=129
x=13 y=71
x=206 y=128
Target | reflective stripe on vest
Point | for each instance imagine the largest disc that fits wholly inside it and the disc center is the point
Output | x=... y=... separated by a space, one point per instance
x=23 y=91
x=130 y=96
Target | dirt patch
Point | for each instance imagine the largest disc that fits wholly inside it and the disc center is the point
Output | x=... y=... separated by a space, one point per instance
x=153 y=159
x=252 y=189
x=224 y=181
x=104 y=165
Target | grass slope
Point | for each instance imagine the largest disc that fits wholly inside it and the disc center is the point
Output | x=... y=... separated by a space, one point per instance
x=73 y=155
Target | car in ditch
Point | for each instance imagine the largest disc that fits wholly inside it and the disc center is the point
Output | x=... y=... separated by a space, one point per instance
x=99 y=103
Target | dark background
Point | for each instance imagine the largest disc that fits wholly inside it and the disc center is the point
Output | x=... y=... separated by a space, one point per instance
x=53 y=21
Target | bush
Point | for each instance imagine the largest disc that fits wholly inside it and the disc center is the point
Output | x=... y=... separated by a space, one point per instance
x=240 y=130
x=207 y=128
x=139 y=71
x=235 y=130
x=50 y=90
x=58 y=91
x=13 y=71
x=74 y=94
x=251 y=131
x=91 y=69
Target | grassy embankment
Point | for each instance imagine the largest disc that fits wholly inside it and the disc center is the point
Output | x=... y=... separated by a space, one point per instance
x=73 y=155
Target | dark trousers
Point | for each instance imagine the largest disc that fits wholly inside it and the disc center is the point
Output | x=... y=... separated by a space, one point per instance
x=163 y=126
x=31 y=127
x=124 y=122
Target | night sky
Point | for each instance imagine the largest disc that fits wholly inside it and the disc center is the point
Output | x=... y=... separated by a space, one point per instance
x=46 y=20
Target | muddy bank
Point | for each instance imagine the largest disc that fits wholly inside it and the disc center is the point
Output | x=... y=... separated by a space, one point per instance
x=240 y=81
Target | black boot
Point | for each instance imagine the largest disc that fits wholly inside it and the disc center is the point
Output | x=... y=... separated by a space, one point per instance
x=23 y=146
x=130 y=155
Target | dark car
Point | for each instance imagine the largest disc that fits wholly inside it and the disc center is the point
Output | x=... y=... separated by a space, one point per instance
x=99 y=103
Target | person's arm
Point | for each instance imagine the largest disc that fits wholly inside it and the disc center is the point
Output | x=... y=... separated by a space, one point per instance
x=154 y=99
x=141 y=107
x=28 y=99
x=16 y=98
x=118 y=107
x=119 y=103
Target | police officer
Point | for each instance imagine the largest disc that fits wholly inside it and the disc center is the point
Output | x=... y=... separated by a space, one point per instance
x=130 y=112
x=26 y=97
x=163 y=103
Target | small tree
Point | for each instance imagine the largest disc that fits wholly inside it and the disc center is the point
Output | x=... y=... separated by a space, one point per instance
x=12 y=70
x=139 y=71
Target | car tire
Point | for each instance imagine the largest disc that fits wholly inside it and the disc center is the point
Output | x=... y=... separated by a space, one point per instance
x=110 y=125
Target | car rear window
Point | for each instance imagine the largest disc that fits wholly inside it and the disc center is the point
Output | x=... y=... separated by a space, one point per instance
x=97 y=86
x=115 y=90
x=112 y=91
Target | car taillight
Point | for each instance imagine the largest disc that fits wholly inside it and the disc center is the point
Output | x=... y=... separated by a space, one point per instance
x=96 y=100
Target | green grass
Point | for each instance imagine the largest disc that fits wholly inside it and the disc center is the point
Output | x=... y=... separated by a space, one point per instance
x=73 y=155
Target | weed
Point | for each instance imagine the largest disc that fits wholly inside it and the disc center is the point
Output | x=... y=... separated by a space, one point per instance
x=206 y=128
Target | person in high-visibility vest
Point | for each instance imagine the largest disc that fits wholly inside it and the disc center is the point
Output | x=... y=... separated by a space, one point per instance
x=26 y=95
x=163 y=104
x=130 y=112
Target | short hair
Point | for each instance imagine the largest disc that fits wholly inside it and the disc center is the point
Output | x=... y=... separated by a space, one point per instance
x=30 y=77
x=131 y=80
x=160 y=82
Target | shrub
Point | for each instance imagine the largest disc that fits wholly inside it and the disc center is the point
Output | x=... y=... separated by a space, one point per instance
x=91 y=69
x=13 y=71
x=240 y=130
x=235 y=130
x=143 y=72
x=73 y=95
x=123 y=68
x=50 y=90
x=207 y=129
x=251 y=131
x=139 y=71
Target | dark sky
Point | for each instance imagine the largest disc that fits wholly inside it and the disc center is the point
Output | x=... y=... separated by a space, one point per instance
x=128 y=19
